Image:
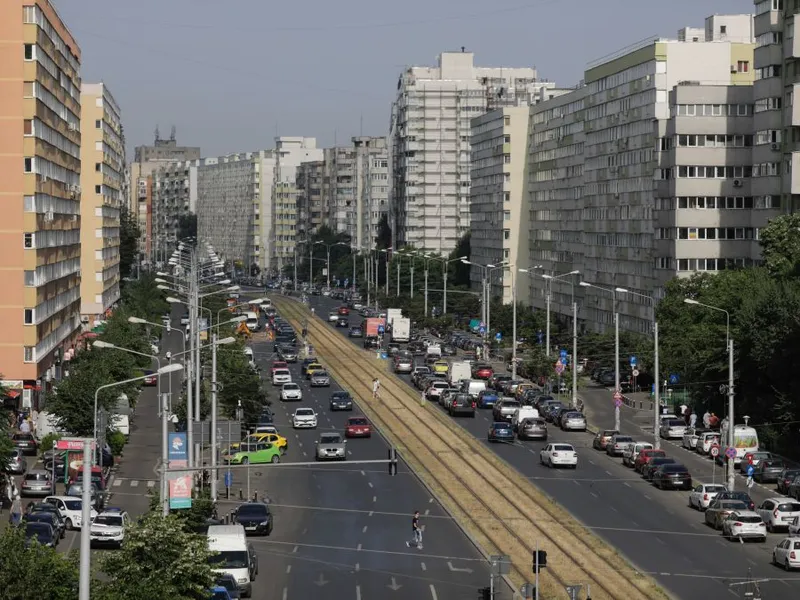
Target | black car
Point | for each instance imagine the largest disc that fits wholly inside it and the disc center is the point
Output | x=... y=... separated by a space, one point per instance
x=40 y=532
x=255 y=517
x=650 y=468
x=448 y=350
x=786 y=478
x=372 y=341
x=356 y=332
x=741 y=496
x=672 y=476
x=341 y=401
x=51 y=518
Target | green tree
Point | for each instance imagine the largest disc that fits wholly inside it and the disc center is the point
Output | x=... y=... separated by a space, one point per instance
x=5 y=425
x=35 y=572
x=458 y=272
x=187 y=226
x=383 y=238
x=241 y=384
x=159 y=559
x=780 y=245
x=192 y=519
x=129 y=233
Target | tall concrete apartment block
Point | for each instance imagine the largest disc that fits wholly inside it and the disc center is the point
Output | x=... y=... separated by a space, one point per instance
x=143 y=200
x=653 y=144
x=357 y=188
x=430 y=142
x=40 y=163
x=499 y=215
x=311 y=206
x=103 y=163
x=174 y=197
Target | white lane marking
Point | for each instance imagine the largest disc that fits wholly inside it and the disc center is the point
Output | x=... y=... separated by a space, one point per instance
x=358 y=592
x=364 y=529
x=612 y=508
x=151 y=484
x=648 y=497
x=661 y=541
x=433 y=593
x=626 y=484
x=430 y=501
x=350 y=453
x=427 y=511
x=595 y=495
x=358 y=567
x=575 y=482
x=288 y=569
x=372 y=512
x=370 y=484
x=609 y=473
x=134 y=483
x=285 y=593
x=424 y=568
x=117 y=482
x=591 y=462
x=300 y=444
x=374 y=498
x=305 y=531
x=362 y=472
x=294 y=550
x=305 y=453
x=358 y=547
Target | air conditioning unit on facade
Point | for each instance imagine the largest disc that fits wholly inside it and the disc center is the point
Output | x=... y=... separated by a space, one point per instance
x=775 y=147
x=737 y=183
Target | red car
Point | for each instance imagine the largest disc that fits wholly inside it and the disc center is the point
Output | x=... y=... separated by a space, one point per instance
x=344 y=311
x=645 y=456
x=151 y=379
x=482 y=372
x=278 y=364
x=357 y=427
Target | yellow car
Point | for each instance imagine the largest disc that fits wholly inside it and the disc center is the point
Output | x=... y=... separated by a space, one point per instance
x=270 y=438
x=313 y=367
x=441 y=367
x=522 y=388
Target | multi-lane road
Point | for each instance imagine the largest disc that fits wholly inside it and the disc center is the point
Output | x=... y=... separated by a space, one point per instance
x=340 y=528
x=654 y=529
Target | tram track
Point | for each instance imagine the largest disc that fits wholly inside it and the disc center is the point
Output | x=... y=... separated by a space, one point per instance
x=501 y=511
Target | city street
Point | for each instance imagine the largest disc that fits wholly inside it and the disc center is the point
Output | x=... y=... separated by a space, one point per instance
x=613 y=501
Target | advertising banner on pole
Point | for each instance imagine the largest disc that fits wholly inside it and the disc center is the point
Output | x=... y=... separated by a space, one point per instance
x=180 y=484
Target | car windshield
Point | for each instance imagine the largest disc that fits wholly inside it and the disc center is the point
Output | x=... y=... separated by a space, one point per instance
x=789 y=507
x=291 y=386
x=357 y=422
x=230 y=559
x=341 y=396
x=623 y=438
x=748 y=519
x=304 y=412
x=715 y=489
x=674 y=469
x=502 y=426
x=23 y=437
x=676 y=423
x=577 y=415
x=733 y=505
x=563 y=448
x=330 y=438
x=320 y=374
x=281 y=371
x=111 y=520
x=253 y=510
x=37 y=477
x=511 y=404
x=41 y=531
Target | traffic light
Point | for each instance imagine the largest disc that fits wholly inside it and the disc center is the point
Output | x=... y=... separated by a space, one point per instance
x=539 y=560
x=392 y=461
x=485 y=593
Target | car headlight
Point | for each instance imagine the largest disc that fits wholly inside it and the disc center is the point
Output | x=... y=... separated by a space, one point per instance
x=242 y=580
x=264 y=523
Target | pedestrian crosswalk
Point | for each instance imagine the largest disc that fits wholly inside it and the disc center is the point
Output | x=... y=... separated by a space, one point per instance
x=134 y=483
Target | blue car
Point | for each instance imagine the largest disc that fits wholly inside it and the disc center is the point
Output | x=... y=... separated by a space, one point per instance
x=500 y=432
x=219 y=593
x=487 y=399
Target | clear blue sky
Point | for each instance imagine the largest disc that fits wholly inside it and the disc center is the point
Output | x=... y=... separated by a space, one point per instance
x=230 y=74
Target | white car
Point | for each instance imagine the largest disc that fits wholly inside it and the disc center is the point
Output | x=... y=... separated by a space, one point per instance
x=632 y=451
x=744 y=524
x=71 y=510
x=281 y=376
x=672 y=429
x=706 y=441
x=787 y=553
x=304 y=418
x=779 y=513
x=691 y=436
x=435 y=390
x=109 y=528
x=703 y=494
x=291 y=392
x=333 y=316
x=559 y=455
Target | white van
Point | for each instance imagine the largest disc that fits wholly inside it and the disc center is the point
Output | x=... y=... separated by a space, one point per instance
x=234 y=555
x=252 y=321
x=248 y=352
x=265 y=304
x=473 y=387
x=523 y=412
x=745 y=439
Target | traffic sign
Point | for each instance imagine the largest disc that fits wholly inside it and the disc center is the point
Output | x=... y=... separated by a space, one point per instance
x=714 y=451
x=482 y=329
x=563 y=354
x=381 y=330
x=633 y=361
x=617 y=403
x=749 y=459
x=559 y=367
x=498 y=336
x=617 y=395
x=228 y=479
x=750 y=470
x=482 y=324
x=635 y=372
x=730 y=452
x=673 y=378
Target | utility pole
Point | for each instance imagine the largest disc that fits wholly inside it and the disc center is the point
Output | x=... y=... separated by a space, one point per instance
x=547 y=336
x=731 y=422
x=398 y=276
x=412 y=278
x=191 y=370
x=85 y=579
x=387 y=274
x=444 y=282
x=164 y=453
x=214 y=478
x=575 y=353
x=426 y=289
x=513 y=324
x=616 y=363
x=657 y=398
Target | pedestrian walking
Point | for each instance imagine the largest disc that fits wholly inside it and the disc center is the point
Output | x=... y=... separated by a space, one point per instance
x=416 y=529
x=693 y=420
x=24 y=426
x=707 y=419
x=422 y=398
x=15 y=516
x=376 y=388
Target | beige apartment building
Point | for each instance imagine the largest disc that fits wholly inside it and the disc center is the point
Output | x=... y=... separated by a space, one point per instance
x=40 y=250
x=101 y=199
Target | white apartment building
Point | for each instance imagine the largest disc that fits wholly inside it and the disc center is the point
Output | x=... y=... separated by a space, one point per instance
x=430 y=143
x=174 y=196
x=606 y=163
x=498 y=211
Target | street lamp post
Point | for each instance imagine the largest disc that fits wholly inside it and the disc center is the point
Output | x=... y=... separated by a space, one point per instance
x=613 y=291
x=730 y=390
x=550 y=279
x=486 y=271
x=214 y=474
x=387 y=251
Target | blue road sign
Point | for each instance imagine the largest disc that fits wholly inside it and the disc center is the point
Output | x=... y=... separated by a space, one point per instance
x=750 y=470
x=228 y=479
x=482 y=329
x=563 y=354
x=633 y=361
x=498 y=336
x=730 y=453
x=381 y=330
x=673 y=378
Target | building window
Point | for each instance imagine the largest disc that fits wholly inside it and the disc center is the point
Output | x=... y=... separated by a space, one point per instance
x=506 y=196
x=743 y=66
x=28 y=164
x=29 y=52
x=506 y=121
x=506 y=215
x=27 y=127
x=98 y=167
x=723 y=29
x=506 y=158
x=28 y=354
x=98 y=189
x=27 y=240
x=98 y=123
x=29 y=316
x=506 y=234
x=506 y=139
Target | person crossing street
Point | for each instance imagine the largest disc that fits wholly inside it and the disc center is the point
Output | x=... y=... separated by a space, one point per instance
x=416 y=529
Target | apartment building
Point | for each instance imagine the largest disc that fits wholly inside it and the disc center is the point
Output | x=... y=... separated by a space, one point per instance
x=430 y=142
x=103 y=161
x=311 y=207
x=40 y=162
x=606 y=163
x=498 y=214
x=144 y=199
x=175 y=196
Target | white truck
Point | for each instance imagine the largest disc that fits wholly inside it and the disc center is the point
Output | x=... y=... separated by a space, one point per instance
x=392 y=314
x=401 y=329
x=458 y=371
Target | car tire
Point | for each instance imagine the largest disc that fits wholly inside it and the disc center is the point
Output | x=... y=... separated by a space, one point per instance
x=68 y=524
x=786 y=566
x=245 y=460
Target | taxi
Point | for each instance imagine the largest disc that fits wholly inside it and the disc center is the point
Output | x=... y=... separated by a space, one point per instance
x=441 y=366
x=315 y=366
x=522 y=388
x=267 y=437
x=253 y=453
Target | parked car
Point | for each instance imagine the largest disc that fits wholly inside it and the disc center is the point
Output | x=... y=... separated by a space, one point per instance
x=744 y=525
x=617 y=444
x=25 y=443
x=672 y=476
x=787 y=553
x=17 y=463
x=602 y=438
x=778 y=513
x=768 y=471
x=719 y=509
x=704 y=494
x=532 y=429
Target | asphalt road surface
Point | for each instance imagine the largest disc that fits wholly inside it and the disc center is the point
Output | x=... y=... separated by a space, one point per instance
x=654 y=529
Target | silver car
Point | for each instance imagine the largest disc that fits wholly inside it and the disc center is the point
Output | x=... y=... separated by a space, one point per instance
x=37 y=483
x=403 y=365
x=331 y=446
x=320 y=379
x=17 y=463
x=573 y=421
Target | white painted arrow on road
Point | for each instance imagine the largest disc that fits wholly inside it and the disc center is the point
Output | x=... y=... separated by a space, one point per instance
x=394 y=586
x=321 y=580
x=457 y=570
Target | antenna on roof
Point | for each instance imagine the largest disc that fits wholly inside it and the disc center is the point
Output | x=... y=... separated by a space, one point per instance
x=172 y=133
x=463 y=49
x=158 y=134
